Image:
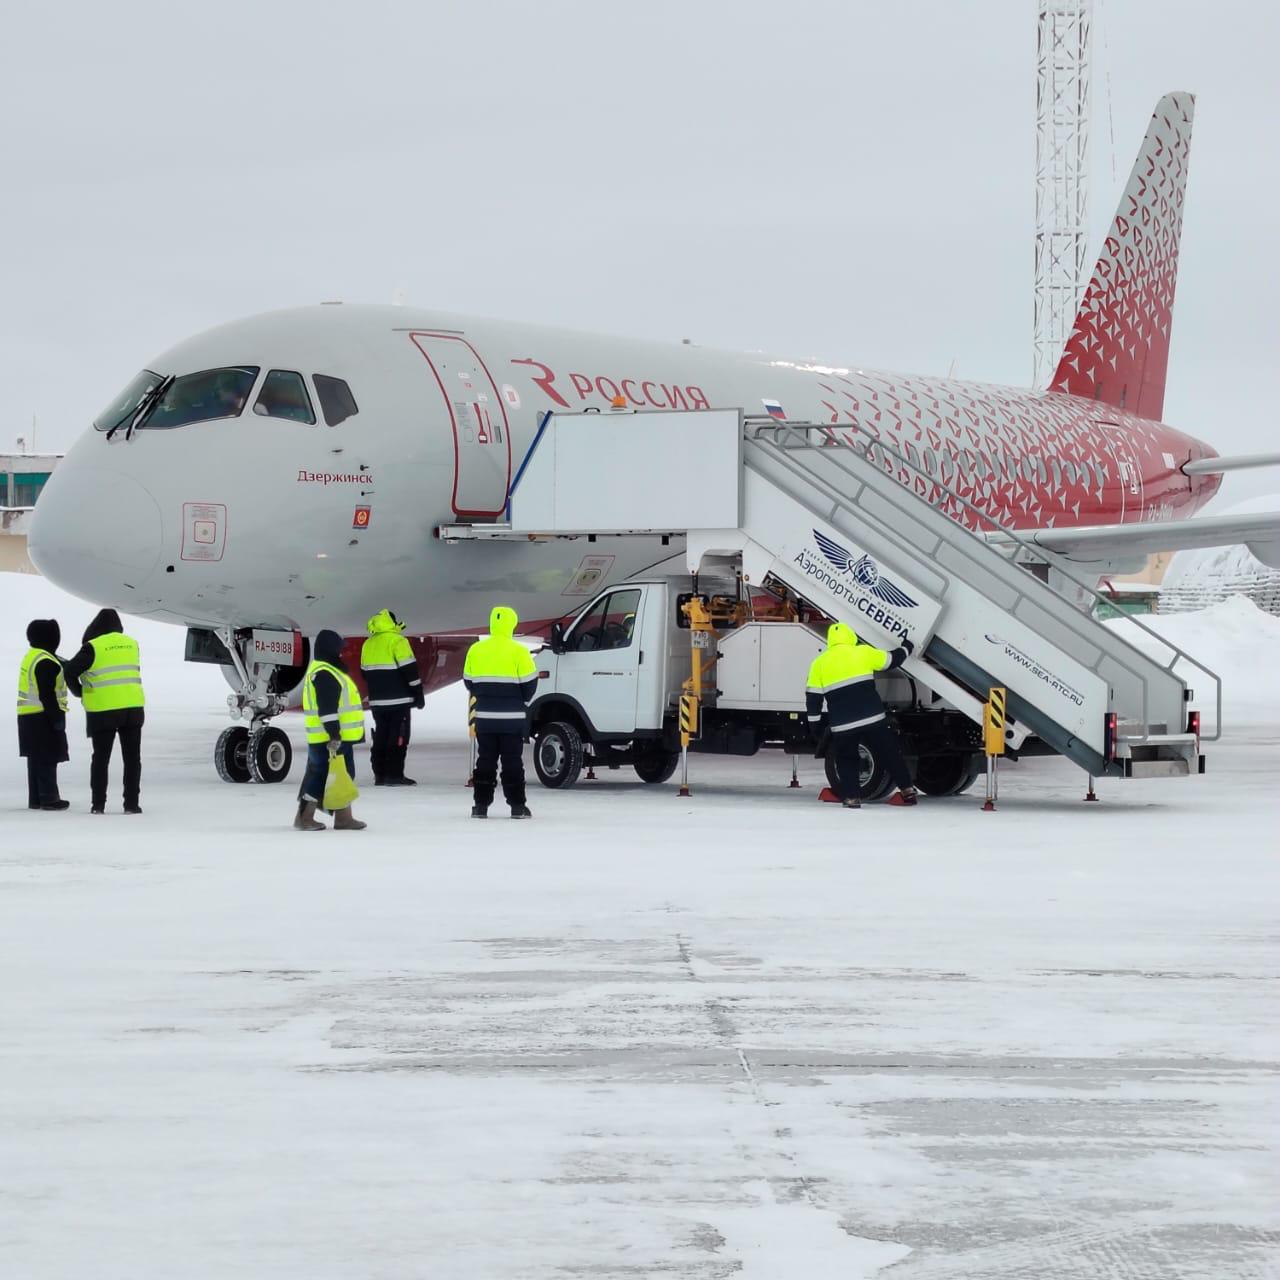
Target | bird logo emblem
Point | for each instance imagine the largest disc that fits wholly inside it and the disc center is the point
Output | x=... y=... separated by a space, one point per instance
x=864 y=571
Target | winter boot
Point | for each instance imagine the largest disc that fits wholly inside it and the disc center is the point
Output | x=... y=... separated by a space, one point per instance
x=56 y=806
x=479 y=810
x=520 y=811
x=907 y=795
x=852 y=804
x=343 y=820
x=306 y=819
x=401 y=781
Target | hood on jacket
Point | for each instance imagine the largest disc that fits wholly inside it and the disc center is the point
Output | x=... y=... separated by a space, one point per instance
x=384 y=620
x=328 y=648
x=44 y=633
x=839 y=633
x=502 y=622
x=106 y=623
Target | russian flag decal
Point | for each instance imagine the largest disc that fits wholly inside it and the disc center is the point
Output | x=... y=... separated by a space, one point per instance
x=774 y=410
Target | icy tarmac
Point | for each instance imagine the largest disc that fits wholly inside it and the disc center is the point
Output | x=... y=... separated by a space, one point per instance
x=744 y=1034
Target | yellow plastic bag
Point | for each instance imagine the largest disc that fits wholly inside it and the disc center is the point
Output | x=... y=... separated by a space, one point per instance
x=339 y=789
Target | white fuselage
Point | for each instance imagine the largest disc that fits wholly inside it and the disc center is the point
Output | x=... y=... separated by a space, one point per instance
x=254 y=520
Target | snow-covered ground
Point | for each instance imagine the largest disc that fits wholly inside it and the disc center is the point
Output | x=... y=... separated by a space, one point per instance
x=744 y=1034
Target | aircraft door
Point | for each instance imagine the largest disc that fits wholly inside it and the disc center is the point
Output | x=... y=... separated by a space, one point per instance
x=1125 y=459
x=478 y=418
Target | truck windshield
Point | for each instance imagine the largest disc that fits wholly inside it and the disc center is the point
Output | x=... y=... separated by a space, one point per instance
x=118 y=412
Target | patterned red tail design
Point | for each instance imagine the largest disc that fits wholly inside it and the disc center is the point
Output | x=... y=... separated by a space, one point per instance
x=1118 y=351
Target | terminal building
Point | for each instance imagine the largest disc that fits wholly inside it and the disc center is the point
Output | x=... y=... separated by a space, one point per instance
x=22 y=478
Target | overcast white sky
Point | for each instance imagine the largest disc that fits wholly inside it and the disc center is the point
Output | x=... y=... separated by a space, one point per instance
x=851 y=181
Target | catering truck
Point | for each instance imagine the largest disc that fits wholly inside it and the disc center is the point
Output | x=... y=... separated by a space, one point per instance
x=651 y=666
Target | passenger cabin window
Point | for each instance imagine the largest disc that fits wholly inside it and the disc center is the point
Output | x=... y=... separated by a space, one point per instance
x=200 y=397
x=284 y=395
x=609 y=624
x=336 y=401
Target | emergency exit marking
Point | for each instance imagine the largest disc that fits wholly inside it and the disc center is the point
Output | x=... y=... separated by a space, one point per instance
x=361 y=519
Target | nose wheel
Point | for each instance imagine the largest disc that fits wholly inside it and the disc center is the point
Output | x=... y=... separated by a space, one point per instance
x=231 y=754
x=264 y=754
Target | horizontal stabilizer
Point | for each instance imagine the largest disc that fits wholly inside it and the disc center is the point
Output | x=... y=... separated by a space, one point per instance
x=1241 y=462
x=1260 y=532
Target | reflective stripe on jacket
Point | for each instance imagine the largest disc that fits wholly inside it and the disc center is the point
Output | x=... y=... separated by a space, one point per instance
x=348 y=716
x=114 y=681
x=388 y=664
x=501 y=674
x=843 y=676
x=29 y=703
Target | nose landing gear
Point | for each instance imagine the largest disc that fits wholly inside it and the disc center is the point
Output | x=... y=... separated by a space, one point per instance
x=259 y=751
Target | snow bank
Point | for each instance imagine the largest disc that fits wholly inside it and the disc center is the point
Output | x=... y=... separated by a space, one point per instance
x=1234 y=639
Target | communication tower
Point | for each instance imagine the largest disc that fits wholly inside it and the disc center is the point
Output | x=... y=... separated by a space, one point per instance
x=1062 y=175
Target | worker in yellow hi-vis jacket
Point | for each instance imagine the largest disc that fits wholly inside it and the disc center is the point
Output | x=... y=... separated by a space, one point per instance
x=843 y=678
x=500 y=674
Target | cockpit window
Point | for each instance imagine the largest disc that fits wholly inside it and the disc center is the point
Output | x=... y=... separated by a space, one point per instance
x=197 y=397
x=125 y=405
x=284 y=395
x=336 y=401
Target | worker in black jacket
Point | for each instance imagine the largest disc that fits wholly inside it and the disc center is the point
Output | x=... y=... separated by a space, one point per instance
x=42 y=715
x=106 y=675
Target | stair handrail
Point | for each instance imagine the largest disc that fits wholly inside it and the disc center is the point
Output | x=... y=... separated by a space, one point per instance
x=757 y=427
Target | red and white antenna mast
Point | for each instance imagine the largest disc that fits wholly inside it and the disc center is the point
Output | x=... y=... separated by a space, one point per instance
x=1062 y=175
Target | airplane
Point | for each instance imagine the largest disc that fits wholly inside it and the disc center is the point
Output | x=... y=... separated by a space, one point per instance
x=288 y=472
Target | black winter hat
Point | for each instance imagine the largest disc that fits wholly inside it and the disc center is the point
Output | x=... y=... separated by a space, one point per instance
x=106 y=623
x=44 y=633
x=328 y=647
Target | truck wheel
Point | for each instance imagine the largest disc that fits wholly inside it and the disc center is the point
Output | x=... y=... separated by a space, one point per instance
x=557 y=754
x=657 y=766
x=874 y=778
x=947 y=775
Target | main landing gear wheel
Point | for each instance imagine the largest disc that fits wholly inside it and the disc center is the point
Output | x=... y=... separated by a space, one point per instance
x=874 y=777
x=270 y=754
x=947 y=775
x=557 y=754
x=231 y=754
x=657 y=766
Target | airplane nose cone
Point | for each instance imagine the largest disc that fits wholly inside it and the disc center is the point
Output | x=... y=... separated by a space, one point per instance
x=96 y=533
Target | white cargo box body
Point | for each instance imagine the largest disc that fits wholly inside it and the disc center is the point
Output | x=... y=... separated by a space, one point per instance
x=764 y=666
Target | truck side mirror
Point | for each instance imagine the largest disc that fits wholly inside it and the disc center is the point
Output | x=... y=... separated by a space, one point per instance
x=557 y=637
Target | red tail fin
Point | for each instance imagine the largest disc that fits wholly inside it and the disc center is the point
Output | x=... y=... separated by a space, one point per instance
x=1118 y=351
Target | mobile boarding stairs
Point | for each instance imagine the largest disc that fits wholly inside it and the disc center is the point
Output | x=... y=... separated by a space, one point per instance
x=863 y=535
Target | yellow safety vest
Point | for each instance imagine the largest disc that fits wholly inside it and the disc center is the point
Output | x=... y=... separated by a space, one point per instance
x=114 y=682
x=29 y=703
x=350 y=712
